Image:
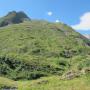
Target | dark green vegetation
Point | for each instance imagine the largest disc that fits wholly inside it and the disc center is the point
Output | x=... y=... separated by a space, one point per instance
x=13 y=18
x=35 y=49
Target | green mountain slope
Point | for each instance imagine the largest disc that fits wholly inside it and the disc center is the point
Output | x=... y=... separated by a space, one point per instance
x=13 y=18
x=34 y=49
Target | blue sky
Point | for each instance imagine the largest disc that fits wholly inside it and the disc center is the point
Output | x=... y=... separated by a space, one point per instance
x=72 y=12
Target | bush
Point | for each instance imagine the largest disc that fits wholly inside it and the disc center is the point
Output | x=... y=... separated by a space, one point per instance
x=84 y=64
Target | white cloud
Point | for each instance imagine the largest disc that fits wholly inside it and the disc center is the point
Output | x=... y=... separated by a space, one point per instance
x=84 y=23
x=57 y=21
x=50 y=13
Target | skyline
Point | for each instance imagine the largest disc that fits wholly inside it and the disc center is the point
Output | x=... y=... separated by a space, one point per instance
x=75 y=13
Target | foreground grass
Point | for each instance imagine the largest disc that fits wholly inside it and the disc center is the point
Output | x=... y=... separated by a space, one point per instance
x=7 y=83
x=48 y=83
x=55 y=83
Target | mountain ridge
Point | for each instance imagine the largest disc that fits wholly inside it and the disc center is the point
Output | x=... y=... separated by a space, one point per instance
x=13 y=17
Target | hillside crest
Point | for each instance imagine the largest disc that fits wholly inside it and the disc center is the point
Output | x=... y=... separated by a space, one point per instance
x=13 y=17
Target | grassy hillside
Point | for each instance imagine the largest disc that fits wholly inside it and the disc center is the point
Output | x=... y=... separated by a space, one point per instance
x=54 y=83
x=34 y=49
x=48 y=83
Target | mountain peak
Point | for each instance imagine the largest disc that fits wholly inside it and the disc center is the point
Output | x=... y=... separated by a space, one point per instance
x=13 y=17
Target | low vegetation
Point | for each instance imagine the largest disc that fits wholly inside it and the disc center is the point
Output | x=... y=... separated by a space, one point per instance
x=48 y=83
x=35 y=49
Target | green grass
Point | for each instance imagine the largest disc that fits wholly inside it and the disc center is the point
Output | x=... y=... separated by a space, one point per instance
x=34 y=55
x=7 y=83
x=34 y=49
x=48 y=83
x=55 y=83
